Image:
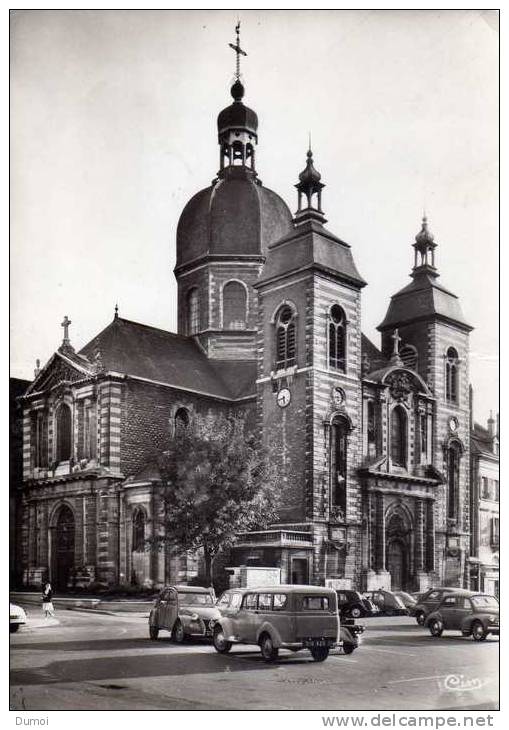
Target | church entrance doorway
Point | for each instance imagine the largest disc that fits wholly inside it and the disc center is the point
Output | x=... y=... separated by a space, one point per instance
x=63 y=552
x=396 y=565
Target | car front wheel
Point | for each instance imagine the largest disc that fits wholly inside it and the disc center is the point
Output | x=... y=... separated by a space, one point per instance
x=479 y=633
x=435 y=628
x=178 y=634
x=218 y=639
x=13 y=628
x=320 y=653
x=348 y=648
x=419 y=617
x=153 y=632
x=269 y=652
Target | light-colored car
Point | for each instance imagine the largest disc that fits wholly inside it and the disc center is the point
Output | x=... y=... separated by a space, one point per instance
x=17 y=617
x=282 y=617
x=184 y=611
x=474 y=614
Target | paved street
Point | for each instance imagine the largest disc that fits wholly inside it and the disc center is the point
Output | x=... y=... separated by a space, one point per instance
x=84 y=661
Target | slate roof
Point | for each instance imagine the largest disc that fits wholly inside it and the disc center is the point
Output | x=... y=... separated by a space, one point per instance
x=146 y=352
x=481 y=441
x=310 y=245
x=376 y=359
x=235 y=217
x=423 y=298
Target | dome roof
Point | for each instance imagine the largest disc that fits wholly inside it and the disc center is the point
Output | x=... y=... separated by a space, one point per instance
x=425 y=237
x=236 y=216
x=237 y=116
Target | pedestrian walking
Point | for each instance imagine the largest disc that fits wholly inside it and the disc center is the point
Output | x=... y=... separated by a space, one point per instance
x=47 y=602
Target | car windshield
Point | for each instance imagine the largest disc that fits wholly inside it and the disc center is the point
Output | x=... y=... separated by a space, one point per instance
x=485 y=601
x=196 y=599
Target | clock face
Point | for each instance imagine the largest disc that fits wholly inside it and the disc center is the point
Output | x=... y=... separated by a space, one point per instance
x=453 y=424
x=283 y=397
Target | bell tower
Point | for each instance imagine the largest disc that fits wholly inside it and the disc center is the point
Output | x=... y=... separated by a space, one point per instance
x=435 y=337
x=309 y=381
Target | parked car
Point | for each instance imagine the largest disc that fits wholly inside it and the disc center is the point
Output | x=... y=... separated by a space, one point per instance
x=282 y=617
x=474 y=614
x=184 y=611
x=17 y=617
x=352 y=604
x=408 y=601
x=430 y=600
x=387 y=602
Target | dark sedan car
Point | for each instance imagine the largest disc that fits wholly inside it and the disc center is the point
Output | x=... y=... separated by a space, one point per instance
x=353 y=605
x=430 y=600
x=474 y=614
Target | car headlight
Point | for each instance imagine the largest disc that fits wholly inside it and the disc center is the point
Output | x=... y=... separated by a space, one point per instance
x=194 y=617
x=493 y=620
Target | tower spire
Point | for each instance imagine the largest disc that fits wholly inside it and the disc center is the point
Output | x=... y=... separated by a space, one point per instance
x=308 y=186
x=237 y=125
x=238 y=51
x=424 y=247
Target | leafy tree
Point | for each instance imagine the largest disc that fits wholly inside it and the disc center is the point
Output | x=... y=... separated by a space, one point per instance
x=218 y=482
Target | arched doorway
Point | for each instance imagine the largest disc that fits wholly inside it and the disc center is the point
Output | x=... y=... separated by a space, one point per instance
x=399 y=547
x=396 y=565
x=63 y=550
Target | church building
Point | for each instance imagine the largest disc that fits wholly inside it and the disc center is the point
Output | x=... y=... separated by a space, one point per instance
x=372 y=442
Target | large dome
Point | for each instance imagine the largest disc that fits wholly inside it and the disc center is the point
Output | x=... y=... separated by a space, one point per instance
x=236 y=216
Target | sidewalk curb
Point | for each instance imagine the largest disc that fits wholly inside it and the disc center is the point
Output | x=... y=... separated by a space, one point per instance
x=97 y=605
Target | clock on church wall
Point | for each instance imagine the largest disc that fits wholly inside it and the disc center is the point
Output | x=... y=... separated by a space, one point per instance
x=283 y=397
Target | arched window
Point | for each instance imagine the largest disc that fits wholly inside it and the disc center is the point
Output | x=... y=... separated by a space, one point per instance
x=338 y=454
x=139 y=522
x=39 y=439
x=408 y=354
x=398 y=437
x=285 y=338
x=337 y=338
x=234 y=306
x=63 y=433
x=423 y=432
x=371 y=433
x=181 y=422
x=451 y=375
x=193 y=312
x=453 y=472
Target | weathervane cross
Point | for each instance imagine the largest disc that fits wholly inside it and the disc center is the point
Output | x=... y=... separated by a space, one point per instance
x=65 y=324
x=238 y=50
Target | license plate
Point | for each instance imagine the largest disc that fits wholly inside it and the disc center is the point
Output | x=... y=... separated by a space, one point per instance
x=316 y=642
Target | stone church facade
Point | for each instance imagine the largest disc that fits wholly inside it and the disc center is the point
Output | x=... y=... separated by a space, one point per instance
x=372 y=443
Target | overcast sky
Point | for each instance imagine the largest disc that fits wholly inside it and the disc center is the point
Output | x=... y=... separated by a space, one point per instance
x=113 y=127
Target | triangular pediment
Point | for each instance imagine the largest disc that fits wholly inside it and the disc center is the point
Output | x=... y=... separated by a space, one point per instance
x=58 y=369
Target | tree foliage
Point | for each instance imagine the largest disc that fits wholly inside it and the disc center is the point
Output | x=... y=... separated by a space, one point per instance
x=218 y=482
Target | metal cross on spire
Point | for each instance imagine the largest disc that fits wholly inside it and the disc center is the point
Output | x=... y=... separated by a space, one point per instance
x=238 y=50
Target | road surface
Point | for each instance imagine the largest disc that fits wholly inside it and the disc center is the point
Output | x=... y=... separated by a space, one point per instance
x=84 y=661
